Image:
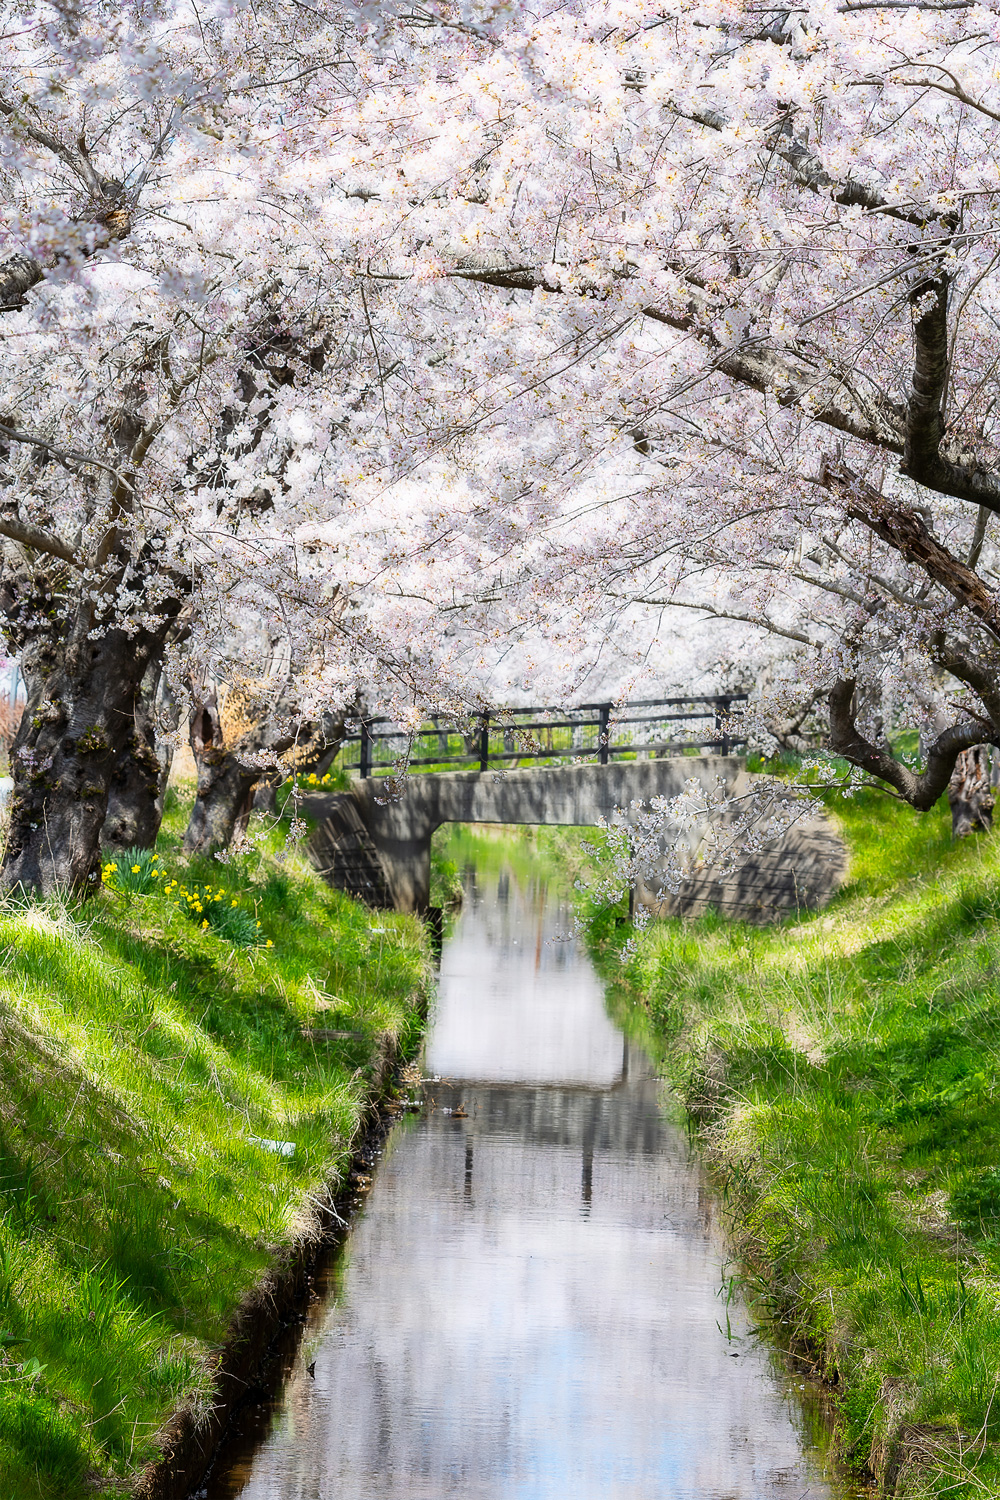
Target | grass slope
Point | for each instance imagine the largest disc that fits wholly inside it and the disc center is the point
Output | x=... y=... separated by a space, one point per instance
x=844 y=1072
x=141 y=1054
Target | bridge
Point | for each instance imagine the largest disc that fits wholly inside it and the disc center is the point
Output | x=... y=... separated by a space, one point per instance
x=547 y=766
x=602 y=732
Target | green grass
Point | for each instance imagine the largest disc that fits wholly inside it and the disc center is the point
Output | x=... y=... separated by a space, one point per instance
x=529 y=851
x=446 y=882
x=843 y=1072
x=141 y=1054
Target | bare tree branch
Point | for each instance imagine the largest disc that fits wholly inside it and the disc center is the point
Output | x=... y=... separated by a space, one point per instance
x=955 y=92
x=978 y=537
x=790 y=373
x=809 y=172
x=74 y=157
x=760 y=621
x=37 y=540
x=829 y=393
x=932 y=5
x=20 y=272
x=903 y=530
x=64 y=455
x=920 y=789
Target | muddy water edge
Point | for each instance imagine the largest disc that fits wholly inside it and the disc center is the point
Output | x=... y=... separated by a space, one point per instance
x=534 y=1300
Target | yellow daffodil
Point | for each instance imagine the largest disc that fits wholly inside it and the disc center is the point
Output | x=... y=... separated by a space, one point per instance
x=269 y=944
x=204 y=925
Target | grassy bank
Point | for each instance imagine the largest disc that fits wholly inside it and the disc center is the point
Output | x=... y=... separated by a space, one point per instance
x=152 y=1059
x=844 y=1074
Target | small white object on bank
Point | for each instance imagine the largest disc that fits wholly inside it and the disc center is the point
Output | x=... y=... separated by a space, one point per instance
x=280 y=1148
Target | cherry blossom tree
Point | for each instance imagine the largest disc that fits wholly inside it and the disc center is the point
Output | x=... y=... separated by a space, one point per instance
x=157 y=314
x=414 y=334
x=702 y=299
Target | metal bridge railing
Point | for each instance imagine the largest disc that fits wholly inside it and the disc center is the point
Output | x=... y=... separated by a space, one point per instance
x=593 y=732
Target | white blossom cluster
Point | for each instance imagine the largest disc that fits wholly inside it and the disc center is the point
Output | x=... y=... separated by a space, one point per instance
x=662 y=843
x=459 y=345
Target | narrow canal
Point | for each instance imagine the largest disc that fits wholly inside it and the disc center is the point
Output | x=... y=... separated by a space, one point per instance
x=533 y=1304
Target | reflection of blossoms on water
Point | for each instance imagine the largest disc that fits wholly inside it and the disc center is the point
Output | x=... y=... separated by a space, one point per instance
x=529 y=1305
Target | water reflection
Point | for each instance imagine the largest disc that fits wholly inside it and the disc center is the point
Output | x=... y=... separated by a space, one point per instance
x=531 y=1306
x=517 y=1001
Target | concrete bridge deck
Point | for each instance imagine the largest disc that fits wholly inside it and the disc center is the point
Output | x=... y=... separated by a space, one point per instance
x=381 y=849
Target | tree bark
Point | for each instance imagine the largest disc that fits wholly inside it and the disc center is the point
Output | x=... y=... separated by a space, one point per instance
x=224 y=798
x=970 y=794
x=920 y=789
x=139 y=779
x=81 y=690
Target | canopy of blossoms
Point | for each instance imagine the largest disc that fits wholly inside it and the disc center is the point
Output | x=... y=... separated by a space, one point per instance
x=392 y=338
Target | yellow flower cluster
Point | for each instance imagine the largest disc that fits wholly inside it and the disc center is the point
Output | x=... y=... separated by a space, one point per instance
x=196 y=899
x=199 y=899
x=111 y=868
x=313 y=780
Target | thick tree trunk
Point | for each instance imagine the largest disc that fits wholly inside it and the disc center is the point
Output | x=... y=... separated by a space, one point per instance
x=317 y=752
x=220 y=780
x=76 y=724
x=970 y=794
x=139 y=779
x=224 y=799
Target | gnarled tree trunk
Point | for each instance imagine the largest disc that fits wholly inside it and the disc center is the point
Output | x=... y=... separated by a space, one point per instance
x=970 y=794
x=139 y=778
x=316 y=753
x=224 y=798
x=81 y=688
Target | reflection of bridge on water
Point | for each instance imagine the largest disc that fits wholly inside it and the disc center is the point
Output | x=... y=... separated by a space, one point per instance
x=530 y=1304
x=534 y=1058
x=581 y=1120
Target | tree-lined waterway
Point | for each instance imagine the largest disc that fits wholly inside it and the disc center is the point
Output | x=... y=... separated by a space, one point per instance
x=533 y=1303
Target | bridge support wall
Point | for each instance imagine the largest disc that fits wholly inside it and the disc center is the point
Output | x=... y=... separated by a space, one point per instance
x=570 y=795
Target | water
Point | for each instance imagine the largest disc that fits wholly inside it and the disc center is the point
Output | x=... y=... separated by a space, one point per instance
x=533 y=1305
